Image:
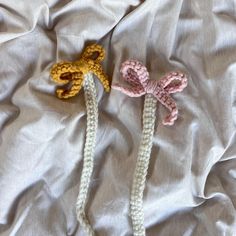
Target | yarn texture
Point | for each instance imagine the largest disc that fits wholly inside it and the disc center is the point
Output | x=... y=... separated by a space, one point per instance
x=72 y=73
x=137 y=77
x=136 y=204
x=76 y=75
x=89 y=149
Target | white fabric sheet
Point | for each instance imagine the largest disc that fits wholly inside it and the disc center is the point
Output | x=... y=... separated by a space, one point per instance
x=190 y=187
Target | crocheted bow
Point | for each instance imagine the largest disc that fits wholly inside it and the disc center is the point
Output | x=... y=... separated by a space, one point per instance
x=137 y=76
x=72 y=73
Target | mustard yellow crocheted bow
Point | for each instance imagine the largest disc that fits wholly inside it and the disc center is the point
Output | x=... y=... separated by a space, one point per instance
x=72 y=73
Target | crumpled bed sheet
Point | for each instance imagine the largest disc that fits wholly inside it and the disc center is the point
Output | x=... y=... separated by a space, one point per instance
x=190 y=188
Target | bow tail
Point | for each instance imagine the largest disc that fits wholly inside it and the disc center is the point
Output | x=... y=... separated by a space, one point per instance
x=98 y=71
x=165 y=99
x=131 y=92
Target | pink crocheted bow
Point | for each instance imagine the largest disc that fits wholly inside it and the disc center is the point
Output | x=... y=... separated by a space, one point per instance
x=136 y=74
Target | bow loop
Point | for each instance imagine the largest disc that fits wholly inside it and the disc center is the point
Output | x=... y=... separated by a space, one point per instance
x=94 y=52
x=62 y=72
x=174 y=82
x=134 y=72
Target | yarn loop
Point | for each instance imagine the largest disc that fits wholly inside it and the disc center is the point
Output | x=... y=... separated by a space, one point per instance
x=72 y=73
x=136 y=74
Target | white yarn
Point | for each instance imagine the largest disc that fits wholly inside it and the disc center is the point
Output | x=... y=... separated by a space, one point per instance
x=136 y=203
x=91 y=130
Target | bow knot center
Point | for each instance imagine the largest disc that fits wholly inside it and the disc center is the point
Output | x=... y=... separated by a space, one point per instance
x=152 y=86
x=83 y=66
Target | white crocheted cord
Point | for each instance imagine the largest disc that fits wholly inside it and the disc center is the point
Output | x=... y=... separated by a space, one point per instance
x=136 y=204
x=91 y=130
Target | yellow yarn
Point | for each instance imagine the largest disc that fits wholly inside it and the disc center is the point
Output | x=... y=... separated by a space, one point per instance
x=72 y=73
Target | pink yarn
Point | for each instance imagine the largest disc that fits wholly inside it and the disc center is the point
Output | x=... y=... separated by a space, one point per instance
x=136 y=74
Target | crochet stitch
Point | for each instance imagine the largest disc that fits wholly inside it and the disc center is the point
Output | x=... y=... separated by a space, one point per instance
x=137 y=76
x=89 y=148
x=78 y=74
x=73 y=72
